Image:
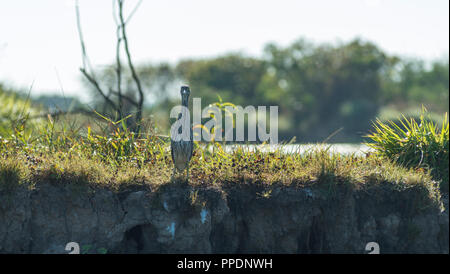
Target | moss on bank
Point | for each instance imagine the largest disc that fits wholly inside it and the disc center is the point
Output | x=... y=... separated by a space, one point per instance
x=86 y=158
x=326 y=171
x=235 y=202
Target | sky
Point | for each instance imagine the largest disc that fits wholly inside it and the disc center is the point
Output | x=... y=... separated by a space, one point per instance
x=39 y=39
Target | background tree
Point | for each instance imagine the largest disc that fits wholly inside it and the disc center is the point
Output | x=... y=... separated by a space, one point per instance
x=119 y=101
x=322 y=90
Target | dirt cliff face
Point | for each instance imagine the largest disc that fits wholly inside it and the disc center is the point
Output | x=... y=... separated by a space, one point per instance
x=236 y=219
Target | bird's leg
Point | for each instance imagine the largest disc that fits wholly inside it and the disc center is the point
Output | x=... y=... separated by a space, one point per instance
x=173 y=174
x=187 y=174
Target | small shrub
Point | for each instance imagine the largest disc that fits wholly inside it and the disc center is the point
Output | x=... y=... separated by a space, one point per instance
x=416 y=144
x=12 y=174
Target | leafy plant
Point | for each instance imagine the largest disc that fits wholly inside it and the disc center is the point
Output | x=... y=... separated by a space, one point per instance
x=417 y=144
x=14 y=113
x=88 y=249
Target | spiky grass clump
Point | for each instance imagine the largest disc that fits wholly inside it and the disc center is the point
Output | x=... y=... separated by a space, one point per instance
x=415 y=144
x=12 y=174
x=115 y=158
x=14 y=113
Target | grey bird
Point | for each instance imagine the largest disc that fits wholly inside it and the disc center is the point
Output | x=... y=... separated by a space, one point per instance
x=181 y=150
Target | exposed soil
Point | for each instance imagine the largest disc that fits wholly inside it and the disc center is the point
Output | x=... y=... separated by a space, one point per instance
x=236 y=219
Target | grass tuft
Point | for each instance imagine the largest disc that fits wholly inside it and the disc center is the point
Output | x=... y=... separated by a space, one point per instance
x=115 y=158
x=416 y=144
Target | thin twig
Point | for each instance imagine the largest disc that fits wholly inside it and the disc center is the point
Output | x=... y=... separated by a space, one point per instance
x=133 y=12
x=62 y=113
x=129 y=99
x=97 y=87
x=88 y=72
x=84 y=70
x=118 y=66
x=131 y=66
x=84 y=56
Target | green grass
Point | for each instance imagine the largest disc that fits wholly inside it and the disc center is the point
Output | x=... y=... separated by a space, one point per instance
x=392 y=113
x=121 y=161
x=110 y=156
x=415 y=144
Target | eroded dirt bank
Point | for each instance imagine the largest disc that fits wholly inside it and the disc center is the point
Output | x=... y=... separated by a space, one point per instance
x=237 y=219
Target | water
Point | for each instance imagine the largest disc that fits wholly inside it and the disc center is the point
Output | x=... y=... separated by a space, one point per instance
x=357 y=149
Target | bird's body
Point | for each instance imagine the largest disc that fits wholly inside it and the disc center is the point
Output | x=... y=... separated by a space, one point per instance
x=181 y=154
x=181 y=150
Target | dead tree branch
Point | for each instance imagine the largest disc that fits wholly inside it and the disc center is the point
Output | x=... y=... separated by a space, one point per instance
x=88 y=72
x=131 y=66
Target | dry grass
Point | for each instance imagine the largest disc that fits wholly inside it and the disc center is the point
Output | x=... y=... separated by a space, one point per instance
x=56 y=154
x=220 y=169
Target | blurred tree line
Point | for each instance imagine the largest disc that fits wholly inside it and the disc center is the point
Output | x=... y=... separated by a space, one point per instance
x=320 y=89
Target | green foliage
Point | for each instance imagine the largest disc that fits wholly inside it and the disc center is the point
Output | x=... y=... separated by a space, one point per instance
x=319 y=88
x=119 y=160
x=14 y=113
x=409 y=83
x=330 y=86
x=234 y=77
x=417 y=144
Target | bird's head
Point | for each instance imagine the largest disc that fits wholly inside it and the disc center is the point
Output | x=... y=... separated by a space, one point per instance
x=185 y=95
x=185 y=91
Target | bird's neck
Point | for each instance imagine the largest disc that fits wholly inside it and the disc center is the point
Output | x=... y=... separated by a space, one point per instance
x=184 y=103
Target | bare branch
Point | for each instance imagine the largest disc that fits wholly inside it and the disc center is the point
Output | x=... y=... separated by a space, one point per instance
x=62 y=113
x=133 y=12
x=118 y=64
x=129 y=99
x=84 y=55
x=85 y=59
x=88 y=72
x=131 y=66
x=97 y=87
x=119 y=73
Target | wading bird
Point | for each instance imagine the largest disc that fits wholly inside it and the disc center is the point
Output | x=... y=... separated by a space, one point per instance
x=182 y=149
